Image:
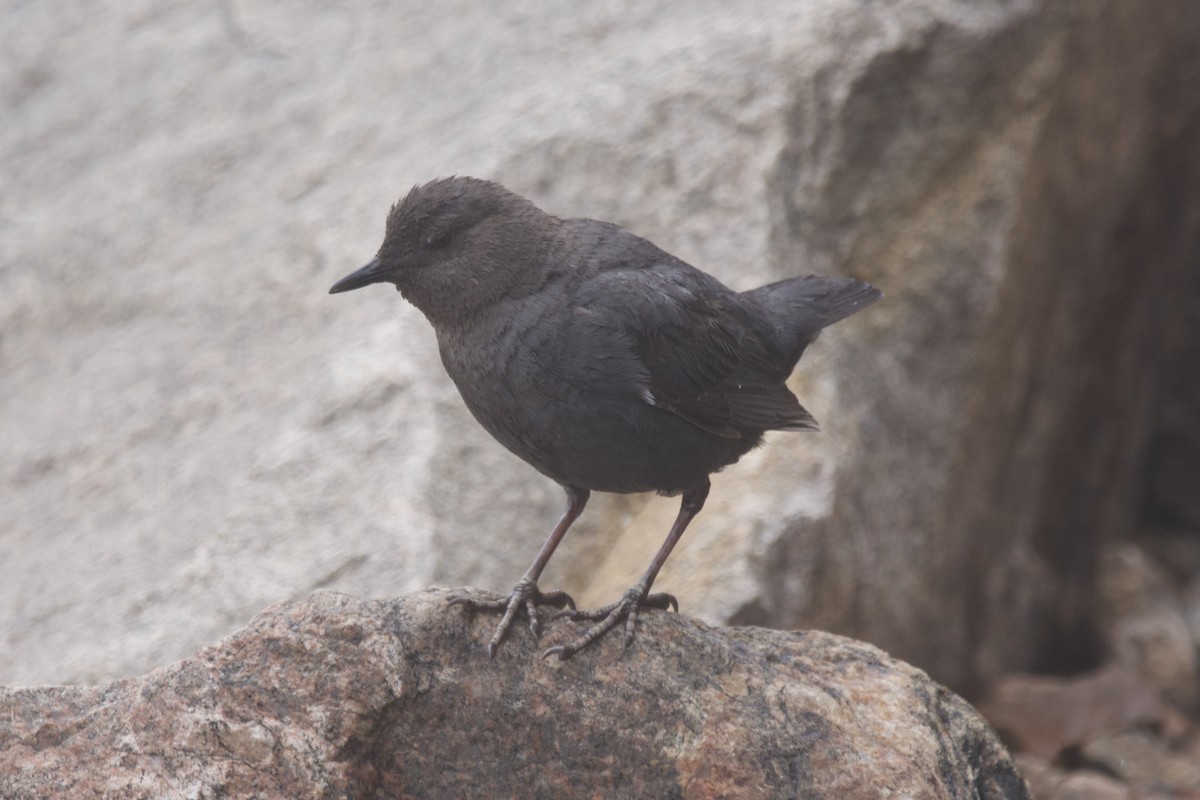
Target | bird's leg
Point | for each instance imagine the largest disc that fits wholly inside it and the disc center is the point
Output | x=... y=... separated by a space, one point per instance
x=526 y=593
x=638 y=597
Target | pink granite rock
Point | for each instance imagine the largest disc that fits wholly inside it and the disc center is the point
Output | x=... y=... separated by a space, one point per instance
x=341 y=697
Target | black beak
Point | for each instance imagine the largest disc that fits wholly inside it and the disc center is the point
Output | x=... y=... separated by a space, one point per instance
x=371 y=273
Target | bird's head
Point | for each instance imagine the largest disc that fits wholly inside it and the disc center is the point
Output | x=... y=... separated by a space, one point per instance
x=455 y=244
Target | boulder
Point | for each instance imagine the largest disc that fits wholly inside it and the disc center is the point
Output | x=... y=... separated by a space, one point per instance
x=341 y=697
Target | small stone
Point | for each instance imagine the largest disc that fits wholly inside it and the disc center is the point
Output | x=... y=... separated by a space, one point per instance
x=1043 y=715
x=1146 y=763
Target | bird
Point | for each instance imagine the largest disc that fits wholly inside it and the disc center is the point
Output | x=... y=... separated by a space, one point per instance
x=601 y=360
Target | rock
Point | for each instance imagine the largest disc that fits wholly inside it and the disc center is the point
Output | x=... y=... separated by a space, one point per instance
x=192 y=428
x=1174 y=549
x=1144 y=619
x=1043 y=716
x=1173 y=452
x=1191 y=609
x=1145 y=763
x=340 y=697
x=1089 y=785
x=1048 y=782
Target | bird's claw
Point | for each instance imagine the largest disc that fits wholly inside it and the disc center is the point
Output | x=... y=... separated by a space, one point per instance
x=666 y=601
x=608 y=617
x=525 y=595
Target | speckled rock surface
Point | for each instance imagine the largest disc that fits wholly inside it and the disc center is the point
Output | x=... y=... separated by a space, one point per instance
x=340 y=697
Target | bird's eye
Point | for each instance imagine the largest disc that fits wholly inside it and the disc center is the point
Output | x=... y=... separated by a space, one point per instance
x=439 y=239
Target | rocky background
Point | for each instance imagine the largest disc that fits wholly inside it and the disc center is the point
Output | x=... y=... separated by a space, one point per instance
x=1008 y=477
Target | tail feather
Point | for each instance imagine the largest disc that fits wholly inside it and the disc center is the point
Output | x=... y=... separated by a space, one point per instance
x=800 y=307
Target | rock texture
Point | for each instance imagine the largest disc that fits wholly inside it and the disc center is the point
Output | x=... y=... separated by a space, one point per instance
x=340 y=697
x=193 y=429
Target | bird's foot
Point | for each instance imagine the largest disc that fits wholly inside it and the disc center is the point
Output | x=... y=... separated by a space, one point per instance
x=608 y=617
x=525 y=595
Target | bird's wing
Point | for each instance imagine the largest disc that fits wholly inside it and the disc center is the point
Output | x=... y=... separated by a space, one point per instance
x=700 y=359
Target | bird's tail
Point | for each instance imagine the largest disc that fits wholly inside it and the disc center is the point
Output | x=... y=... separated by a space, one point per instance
x=801 y=307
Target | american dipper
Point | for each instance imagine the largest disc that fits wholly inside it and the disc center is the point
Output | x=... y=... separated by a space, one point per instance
x=604 y=362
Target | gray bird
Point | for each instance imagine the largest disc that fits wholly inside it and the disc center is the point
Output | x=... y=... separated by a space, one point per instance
x=604 y=362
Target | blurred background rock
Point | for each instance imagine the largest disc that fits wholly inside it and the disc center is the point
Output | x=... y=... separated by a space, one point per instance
x=192 y=429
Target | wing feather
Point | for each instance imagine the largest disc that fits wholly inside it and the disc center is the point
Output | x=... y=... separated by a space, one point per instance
x=701 y=358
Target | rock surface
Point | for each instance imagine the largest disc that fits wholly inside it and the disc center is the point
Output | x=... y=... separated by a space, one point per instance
x=193 y=429
x=1043 y=716
x=341 y=697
